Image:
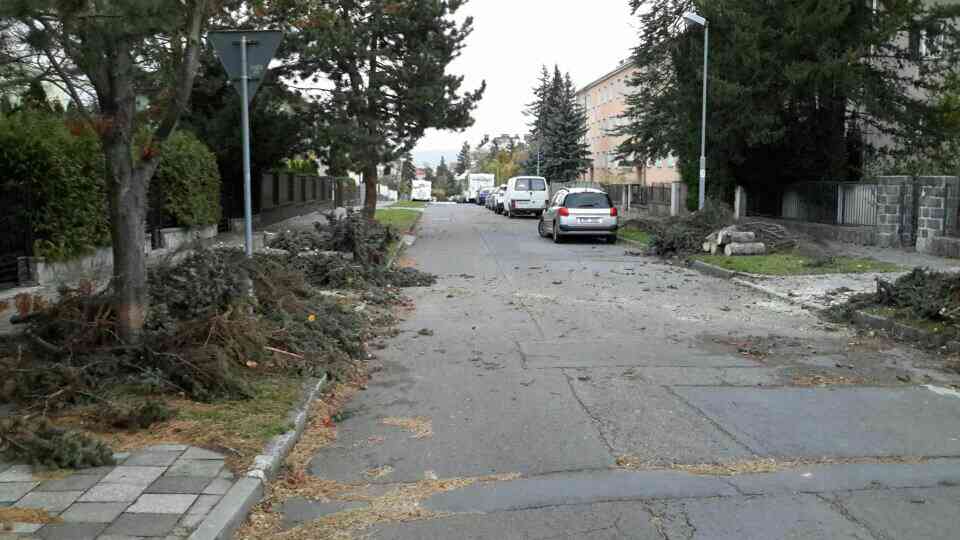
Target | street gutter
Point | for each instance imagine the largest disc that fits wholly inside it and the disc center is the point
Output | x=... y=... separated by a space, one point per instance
x=227 y=516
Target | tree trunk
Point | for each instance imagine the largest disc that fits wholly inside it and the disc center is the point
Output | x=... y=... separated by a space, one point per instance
x=370 y=186
x=128 y=205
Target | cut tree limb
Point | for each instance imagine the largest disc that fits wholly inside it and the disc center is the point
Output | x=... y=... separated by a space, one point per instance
x=754 y=248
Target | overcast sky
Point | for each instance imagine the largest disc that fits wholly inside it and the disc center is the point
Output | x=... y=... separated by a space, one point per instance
x=513 y=38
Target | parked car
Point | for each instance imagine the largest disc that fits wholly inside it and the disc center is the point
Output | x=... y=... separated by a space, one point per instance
x=491 y=202
x=525 y=195
x=579 y=212
x=482 y=196
x=498 y=199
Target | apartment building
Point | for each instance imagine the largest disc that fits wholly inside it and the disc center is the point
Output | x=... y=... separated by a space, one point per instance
x=604 y=101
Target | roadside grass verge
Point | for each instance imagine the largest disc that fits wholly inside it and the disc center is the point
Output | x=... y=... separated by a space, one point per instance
x=905 y=316
x=785 y=264
x=409 y=204
x=399 y=219
x=237 y=428
x=635 y=235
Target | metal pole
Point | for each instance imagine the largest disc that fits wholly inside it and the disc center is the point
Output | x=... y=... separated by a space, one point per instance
x=703 y=129
x=245 y=120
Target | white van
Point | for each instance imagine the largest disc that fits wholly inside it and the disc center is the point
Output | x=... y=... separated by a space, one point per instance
x=525 y=195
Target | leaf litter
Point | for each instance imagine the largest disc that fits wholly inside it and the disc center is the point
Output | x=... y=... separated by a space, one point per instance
x=756 y=466
x=420 y=426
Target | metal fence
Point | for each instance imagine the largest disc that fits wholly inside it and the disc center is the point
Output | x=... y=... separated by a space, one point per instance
x=831 y=203
x=647 y=195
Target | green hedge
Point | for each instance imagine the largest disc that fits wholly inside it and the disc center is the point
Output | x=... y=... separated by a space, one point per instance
x=62 y=175
x=58 y=166
x=188 y=181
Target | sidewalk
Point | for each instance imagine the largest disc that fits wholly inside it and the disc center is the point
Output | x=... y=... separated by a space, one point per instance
x=162 y=491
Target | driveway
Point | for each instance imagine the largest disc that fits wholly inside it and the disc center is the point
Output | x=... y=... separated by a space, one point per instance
x=616 y=389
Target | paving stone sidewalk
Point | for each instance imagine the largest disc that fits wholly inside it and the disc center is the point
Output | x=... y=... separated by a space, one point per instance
x=162 y=491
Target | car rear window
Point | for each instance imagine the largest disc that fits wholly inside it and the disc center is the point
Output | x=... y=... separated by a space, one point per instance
x=587 y=200
x=531 y=184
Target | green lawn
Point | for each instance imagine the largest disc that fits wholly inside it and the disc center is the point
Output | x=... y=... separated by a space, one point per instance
x=635 y=235
x=400 y=219
x=792 y=265
x=409 y=204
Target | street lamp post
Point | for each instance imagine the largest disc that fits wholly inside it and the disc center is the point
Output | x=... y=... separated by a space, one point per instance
x=693 y=18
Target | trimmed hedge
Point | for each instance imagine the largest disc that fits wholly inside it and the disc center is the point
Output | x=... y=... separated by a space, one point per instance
x=58 y=166
x=188 y=181
x=60 y=170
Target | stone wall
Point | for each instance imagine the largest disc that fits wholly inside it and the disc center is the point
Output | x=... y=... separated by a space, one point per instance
x=864 y=236
x=937 y=195
x=894 y=211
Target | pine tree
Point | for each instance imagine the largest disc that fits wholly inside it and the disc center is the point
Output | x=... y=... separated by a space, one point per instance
x=387 y=62
x=35 y=97
x=408 y=172
x=568 y=155
x=536 y=111
x=464 y=162
x=791 y=87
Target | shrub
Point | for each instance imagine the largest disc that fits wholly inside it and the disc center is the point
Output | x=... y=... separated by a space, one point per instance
x=62 y=174
x=187 y=182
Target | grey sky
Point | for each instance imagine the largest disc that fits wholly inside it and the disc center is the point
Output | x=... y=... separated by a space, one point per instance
x=513 y=38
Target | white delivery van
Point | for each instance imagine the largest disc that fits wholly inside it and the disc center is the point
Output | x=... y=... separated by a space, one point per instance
x=525 y=195
x=476 y=182
x=421 y=190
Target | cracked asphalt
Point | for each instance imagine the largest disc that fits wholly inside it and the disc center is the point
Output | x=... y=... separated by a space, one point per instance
x=561 y=362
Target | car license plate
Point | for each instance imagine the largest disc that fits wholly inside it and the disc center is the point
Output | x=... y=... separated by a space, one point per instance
x=589 y=220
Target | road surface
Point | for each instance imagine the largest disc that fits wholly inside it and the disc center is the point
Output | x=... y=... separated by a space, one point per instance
x=614 y=384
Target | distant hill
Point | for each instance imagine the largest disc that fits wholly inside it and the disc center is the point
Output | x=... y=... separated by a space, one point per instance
x=432 y=157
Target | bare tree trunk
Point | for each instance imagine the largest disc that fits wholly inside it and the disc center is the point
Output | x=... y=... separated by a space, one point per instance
x=370 y=185
x=128 y=206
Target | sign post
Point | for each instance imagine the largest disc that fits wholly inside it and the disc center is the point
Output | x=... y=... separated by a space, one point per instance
x=246 y=57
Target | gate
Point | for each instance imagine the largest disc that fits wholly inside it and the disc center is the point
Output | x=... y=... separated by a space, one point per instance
x=16 y=234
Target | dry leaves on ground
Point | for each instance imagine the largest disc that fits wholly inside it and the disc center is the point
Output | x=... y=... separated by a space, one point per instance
x=26 y=515
x=420 y=426
x=755 y=466
x=827 y=380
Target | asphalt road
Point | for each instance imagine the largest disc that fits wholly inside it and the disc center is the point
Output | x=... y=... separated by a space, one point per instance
x=559 y=362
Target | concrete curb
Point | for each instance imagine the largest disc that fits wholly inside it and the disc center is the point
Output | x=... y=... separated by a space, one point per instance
x=230 y=512
x=713 y=270
x=633 y=243
x=777 y=295
x=902 y=331
x=745 y=280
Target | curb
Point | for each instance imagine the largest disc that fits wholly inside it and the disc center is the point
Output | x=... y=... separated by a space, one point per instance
x=902 y=331
x=715 y=271
x=745 y=280
x=633 y=243
x=777 y=295
x=230 y=512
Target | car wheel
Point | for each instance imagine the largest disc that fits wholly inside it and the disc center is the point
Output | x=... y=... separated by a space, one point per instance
x=556 y=234
x=612 y=239
x=540 y=230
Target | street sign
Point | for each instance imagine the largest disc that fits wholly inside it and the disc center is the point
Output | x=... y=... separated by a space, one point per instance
x=261 y=46
x=246 y=56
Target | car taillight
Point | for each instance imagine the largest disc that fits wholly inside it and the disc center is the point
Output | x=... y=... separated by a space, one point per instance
x=613 y=211
x=564 y=212
x=513 y=204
